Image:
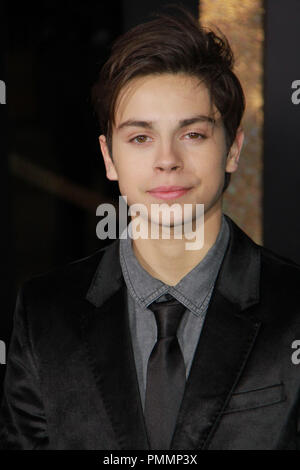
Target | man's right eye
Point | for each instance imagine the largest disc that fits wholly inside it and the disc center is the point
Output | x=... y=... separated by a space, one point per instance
x=140 y=139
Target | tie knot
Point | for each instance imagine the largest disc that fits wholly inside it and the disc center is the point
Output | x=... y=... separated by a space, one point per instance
x=167 y=315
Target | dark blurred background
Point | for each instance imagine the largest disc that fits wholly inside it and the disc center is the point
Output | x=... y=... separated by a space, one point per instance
x=52 y=174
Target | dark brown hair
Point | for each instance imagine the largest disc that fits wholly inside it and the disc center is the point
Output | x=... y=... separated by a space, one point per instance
x=171 y=43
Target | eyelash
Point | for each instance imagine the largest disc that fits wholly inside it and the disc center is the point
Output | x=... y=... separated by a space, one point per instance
x=189 y=133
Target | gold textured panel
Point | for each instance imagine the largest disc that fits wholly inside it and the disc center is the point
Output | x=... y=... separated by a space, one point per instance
x=242 y=23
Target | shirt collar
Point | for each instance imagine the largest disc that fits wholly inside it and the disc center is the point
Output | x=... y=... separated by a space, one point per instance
x=192 y=290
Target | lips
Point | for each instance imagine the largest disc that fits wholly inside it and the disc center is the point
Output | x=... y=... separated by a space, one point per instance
x=167 y=188
x=168 y=192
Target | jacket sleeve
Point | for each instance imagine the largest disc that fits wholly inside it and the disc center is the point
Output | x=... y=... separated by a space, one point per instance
x=22 y=418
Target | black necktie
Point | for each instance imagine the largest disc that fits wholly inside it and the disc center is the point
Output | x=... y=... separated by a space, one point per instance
x=165 y=375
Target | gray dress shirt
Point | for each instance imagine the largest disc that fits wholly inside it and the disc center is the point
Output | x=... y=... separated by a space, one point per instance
x=193 y=291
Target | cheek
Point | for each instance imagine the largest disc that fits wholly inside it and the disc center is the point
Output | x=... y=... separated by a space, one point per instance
x=211 y=173
x=210 y=168
x=128 y=182
x=132 y=173
x=209 y=157
x=126 y=187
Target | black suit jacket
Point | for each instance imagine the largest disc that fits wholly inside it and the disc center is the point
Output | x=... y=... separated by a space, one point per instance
x=71 y=381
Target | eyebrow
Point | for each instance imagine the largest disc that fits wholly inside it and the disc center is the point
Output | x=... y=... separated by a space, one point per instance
x=182 y=122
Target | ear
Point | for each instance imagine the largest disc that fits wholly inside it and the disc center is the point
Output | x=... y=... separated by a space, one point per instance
x=111 y=172
x=234 y=152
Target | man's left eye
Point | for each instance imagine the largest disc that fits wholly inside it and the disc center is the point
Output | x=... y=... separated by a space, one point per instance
x=195 y=135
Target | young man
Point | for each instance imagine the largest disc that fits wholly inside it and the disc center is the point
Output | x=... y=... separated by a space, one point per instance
x=145 y=344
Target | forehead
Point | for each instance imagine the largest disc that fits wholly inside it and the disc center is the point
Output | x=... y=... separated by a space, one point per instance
x=165 y=96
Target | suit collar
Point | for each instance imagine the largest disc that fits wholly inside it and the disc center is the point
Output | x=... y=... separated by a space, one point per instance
x=108 y=277
x=241 y=260
x=239 y=277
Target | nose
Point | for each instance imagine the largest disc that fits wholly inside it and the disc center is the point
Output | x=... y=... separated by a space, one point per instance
x=168 y=159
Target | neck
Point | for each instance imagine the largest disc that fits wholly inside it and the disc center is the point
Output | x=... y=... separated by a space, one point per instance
x=168 y=259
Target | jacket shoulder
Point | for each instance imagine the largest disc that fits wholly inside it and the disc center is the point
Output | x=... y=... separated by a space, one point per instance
x=276 y=265
x=279 y=283
x=72 y=279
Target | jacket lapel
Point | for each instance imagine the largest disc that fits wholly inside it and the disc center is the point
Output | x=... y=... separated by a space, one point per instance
x=227 y=337
x=110 y=352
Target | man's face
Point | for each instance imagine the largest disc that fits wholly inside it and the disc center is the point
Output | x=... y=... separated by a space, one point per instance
x=167 y=133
